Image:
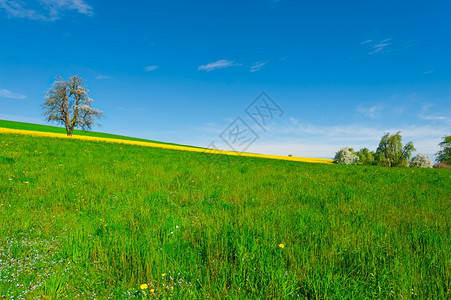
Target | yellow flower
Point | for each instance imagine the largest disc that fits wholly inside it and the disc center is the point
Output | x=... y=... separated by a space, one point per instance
x=282 y=246
x=26 y=182
x=144 y=286
x=152 y=291
x=164 y=274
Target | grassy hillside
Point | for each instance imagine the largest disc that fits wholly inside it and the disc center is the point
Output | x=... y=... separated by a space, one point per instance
x=23 y=128
x=82 y=219
x=53 y=129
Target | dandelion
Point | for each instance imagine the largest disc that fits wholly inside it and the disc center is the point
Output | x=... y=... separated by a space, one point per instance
x=152 y=291
x=164 y=274
x=282 y=246
x=26 y=182
x=144 y=286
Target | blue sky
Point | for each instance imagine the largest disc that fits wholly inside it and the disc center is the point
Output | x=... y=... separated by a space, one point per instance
x=342 y=72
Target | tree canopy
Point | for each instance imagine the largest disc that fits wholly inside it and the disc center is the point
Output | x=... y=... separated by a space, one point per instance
x=444 y=155
x=67 y=102
x=391 y=152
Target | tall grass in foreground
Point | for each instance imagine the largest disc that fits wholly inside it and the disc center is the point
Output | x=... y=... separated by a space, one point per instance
x=89 y=219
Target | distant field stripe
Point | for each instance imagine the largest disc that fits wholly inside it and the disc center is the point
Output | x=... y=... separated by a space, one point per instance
x=158 y=145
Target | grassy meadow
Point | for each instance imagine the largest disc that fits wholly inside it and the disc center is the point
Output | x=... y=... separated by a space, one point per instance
x=85 y=219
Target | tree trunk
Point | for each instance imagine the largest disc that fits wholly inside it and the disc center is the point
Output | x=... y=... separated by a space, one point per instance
x=67 y=118
x=68 y=131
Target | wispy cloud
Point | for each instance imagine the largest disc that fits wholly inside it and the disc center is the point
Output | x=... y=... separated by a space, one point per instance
x=100 y=77
x=380 y=47
x=427 y=115
x=11 y=95
x=428 y=72
x=220 y=64
x=376 y=47
x=150 y=68
x=257 y=66
x=370 y=112
x=44 y=10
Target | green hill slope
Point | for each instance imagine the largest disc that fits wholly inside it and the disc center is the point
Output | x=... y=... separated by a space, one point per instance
x=82 y=219
x=54 y=129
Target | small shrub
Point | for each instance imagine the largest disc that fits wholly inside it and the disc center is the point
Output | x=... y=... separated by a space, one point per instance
x=345 y=157
x=421 y=161
x=366 y=157
x=441 y=165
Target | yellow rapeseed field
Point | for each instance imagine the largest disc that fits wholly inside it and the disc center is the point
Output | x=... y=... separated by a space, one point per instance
x=164 y=146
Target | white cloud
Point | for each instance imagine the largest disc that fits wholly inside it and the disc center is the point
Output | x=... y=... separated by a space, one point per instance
x=257 y=66
x=220 y=64
x=150 y=68
x=377 y=47
x=11 y=95
x=369 y=112
x=44 y=10
x=78 y=5
x=100 y=77
x=380 y=47
x=426 y=115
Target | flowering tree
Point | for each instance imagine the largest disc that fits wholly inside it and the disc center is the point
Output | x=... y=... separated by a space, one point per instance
x=345 y=157
x=68 y=103
x=421 y=161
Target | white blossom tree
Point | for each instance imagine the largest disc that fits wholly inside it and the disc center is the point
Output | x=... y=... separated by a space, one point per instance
x=67 y=102
x=421 y=161
x=345 y=156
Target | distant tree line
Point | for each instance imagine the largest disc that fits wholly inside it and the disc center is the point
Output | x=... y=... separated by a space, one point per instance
x=392 y=153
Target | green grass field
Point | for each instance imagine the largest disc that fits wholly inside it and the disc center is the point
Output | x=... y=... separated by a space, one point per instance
x=82 y=219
